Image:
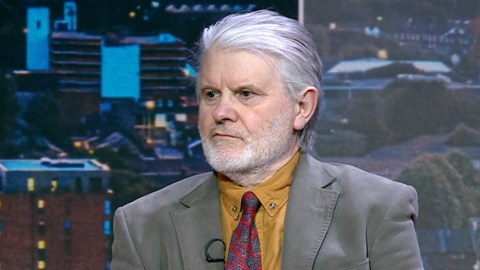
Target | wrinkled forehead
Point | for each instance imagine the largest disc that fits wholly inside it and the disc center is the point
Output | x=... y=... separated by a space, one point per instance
x=273 y=62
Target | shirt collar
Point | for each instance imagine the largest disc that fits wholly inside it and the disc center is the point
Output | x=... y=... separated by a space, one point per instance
x=273 y=193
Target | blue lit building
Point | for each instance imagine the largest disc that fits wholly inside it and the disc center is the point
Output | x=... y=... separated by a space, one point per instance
x=38 y=34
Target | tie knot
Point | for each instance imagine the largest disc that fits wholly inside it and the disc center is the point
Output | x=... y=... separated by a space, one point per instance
x=250 y=202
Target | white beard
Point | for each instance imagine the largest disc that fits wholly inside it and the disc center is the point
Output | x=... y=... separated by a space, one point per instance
x=259 y=152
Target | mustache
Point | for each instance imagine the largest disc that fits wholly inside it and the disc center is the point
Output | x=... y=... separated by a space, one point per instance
x=228 y=130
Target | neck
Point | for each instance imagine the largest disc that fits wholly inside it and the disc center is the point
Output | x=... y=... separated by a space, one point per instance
x=254 y=177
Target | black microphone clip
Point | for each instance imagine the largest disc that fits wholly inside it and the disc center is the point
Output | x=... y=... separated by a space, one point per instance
x=207 y=256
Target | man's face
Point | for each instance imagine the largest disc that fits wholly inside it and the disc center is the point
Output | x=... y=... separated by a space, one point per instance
x=246 y=118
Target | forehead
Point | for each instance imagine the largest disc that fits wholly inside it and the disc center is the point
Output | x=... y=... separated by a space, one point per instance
x=237 y=66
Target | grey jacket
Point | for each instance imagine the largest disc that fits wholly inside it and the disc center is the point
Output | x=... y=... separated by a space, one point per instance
x=338 y=217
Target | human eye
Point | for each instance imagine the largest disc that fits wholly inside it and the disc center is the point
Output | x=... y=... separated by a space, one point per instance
x=209 y=94
x=245 y=93
x=248 y=95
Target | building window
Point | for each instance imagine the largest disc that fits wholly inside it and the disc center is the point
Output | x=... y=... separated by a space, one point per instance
x=31 y=184
x=161 y=120
x=41 y=228
x=68 y=246
x=107 y=227
x=42 y=244
x=180 y=117
x=0 y=205
x=41 y=204
x=169 y=103
x=1 y=183
x=68 y=227
x=1 y=227
x=39 y=24
x=68 y=207
x=78 y=185
x=41 y=265
x=42 y=254
x=108 y=207
x=95 y=184
x=55 y=185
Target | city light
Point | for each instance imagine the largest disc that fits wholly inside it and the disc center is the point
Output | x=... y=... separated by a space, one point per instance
x=383 y=54
x=379 y=18
x=332 y=26
x=132 y=14
x=77 y=144
x=150 y=105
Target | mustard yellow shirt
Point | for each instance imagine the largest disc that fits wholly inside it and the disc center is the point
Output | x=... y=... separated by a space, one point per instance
x=270 y=218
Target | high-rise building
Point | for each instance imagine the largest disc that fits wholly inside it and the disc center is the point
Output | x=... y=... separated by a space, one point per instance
x=38 y=34
x=96 y=73
x=84 y=61
x=54 y=214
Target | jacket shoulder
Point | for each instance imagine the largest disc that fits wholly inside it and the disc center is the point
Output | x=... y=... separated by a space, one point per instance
x=167 y=197
x=347 y=176
x=357 y=187
x=366 y=191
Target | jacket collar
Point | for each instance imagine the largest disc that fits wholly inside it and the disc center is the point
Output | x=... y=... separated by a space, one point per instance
x=309 y=214
x=198 y=223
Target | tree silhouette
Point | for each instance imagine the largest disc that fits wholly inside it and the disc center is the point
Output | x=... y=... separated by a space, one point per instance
x=9 y=109
x=448 y=187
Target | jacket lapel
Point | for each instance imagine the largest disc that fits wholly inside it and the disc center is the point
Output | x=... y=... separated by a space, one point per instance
x=309 y=214
x=199 y=223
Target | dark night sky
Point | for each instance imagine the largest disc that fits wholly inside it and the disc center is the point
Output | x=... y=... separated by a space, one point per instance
x=110 y=15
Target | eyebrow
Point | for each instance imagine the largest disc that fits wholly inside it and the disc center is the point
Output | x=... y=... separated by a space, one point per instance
x=248 y=86
x=207 y=87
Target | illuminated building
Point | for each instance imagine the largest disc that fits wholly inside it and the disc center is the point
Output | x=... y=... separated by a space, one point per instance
x=54 y=214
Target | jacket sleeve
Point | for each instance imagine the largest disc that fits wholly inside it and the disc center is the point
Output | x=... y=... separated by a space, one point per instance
x=395 y=243
x=124 y=252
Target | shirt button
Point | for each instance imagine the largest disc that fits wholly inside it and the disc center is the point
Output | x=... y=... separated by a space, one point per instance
x=234 y=209
x=272 y=205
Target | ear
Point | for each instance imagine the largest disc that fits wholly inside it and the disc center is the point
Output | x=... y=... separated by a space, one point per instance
x=305 y=108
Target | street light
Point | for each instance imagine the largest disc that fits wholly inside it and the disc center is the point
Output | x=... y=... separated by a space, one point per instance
x=383 y=54
x=150 y=105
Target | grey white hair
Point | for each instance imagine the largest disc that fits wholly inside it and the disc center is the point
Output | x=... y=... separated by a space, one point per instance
x=283 y=41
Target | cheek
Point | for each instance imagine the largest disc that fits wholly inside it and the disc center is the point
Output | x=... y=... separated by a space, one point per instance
x=205 y=120
x=253 y=123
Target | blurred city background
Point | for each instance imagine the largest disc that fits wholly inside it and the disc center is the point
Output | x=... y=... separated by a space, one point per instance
x=97 y=108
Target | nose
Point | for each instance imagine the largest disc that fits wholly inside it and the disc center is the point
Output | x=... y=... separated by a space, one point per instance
x=225 y=110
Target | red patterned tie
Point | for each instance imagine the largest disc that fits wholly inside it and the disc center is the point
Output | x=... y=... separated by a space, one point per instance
x=244 y=251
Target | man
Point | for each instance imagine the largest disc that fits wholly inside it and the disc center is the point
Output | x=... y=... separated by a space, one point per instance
x=259 y=85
